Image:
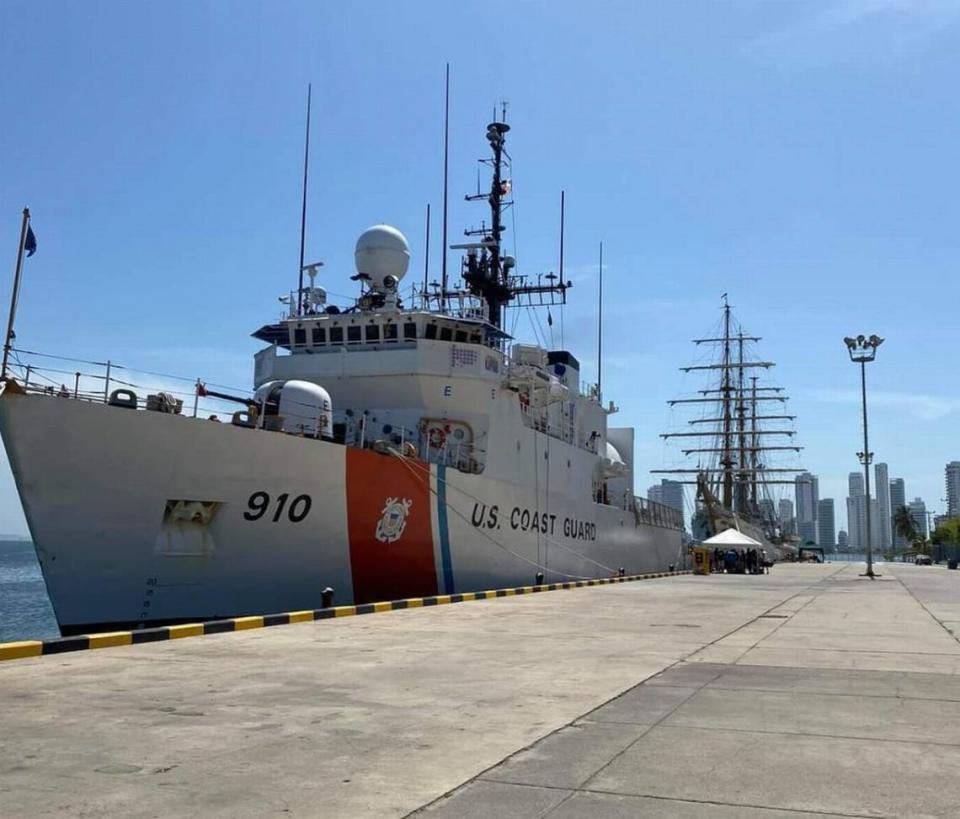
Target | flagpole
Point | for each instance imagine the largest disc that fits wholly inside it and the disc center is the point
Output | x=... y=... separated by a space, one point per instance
x=8 y=343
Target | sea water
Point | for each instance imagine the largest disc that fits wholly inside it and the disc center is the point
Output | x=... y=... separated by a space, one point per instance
x=25 y=611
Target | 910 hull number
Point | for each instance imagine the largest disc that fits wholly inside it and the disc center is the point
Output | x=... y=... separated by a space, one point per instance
x=259 y=505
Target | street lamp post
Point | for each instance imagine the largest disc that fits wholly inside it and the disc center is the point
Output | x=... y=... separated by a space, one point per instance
x=862 y=350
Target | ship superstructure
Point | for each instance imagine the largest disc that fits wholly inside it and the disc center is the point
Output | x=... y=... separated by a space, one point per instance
x=733 y=443
x=385 y=451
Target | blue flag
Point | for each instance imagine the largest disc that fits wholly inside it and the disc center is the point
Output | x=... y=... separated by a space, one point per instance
x=30 y=243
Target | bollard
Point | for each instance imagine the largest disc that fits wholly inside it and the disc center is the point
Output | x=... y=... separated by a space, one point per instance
x=539 y=578
x=326 y=598
x=671 y=568
x=621 y=571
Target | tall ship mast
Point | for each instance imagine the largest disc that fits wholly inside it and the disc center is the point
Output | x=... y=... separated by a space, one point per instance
x=733 y=446
x=389 y=446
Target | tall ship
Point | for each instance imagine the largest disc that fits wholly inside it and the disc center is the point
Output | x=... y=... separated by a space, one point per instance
x=734 y=444
x=386 y=450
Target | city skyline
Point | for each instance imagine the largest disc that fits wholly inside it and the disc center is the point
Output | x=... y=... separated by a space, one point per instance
x=887 y=496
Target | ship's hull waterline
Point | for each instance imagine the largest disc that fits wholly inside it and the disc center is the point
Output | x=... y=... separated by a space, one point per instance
x=143 y=518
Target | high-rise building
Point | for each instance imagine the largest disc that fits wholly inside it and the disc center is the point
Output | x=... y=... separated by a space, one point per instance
x=898 y=499
x=786 y=510
x=825 y=524
x=855 y=484
x=953 y=489
x=918 y=511
x=855 y=541
x=884 y=523
x=767 y=510
x=667 y=492
x=857 y=510
x=854 y=512
x=807 y=491
x=841 y=541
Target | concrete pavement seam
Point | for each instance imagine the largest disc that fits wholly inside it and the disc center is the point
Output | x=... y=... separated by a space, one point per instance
x=858 y=696
x=698 y=689
x=726 y=729
x=660 y=797
x=917 y=600
x=481 y=774
x=804 y=811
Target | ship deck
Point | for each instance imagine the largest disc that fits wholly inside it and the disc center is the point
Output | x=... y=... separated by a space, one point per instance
x=809 y=691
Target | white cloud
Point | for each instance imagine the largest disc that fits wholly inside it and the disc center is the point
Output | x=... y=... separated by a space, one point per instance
x=922 y=406
x=905 y=22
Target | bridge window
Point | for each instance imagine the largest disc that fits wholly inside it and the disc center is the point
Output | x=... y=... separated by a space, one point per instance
x=319 y=335
x=336 y=335
x=389 y=332
x=431 y=331
x=299 y=337
x=353 y=335
x=446 y=334
x=460 y=336
x=373 y=332
x=409 y=329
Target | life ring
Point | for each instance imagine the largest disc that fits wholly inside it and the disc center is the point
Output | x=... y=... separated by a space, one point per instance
x=436 y=438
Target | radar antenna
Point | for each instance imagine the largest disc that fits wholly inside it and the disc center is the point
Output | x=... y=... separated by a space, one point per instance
x=487 y=272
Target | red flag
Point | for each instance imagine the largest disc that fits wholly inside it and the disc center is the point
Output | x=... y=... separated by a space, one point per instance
x=201 y=390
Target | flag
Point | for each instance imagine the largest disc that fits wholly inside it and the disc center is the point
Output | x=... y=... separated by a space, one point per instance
x=30 y=243
x=201 y=390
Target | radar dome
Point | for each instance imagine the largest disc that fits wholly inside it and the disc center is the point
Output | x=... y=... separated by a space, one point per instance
x=382 y=256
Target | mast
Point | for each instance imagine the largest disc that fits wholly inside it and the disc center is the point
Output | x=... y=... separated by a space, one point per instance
x=303 y=210
x=487 y=271
x=563 y=195
x=725 y=398
x=600 y=329
x=426 y=256
x=754 y=461
x=446 y=160
x=729 y=443
x=742 y=478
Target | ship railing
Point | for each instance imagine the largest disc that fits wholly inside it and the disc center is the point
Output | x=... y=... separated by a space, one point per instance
x=359 y=435
x=464 y=456
x=101 y=381
x=533 y=418
x=657 y=514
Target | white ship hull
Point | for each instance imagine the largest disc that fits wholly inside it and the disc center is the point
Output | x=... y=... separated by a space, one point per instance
x=142 y=518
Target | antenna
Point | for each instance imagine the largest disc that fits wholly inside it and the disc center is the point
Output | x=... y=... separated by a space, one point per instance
x=562 y=196
x=426 y=257
x=446 y=161
x=303 y=212
x=600 y=329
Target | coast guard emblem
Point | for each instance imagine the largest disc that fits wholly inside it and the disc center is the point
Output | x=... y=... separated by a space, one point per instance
x=394 y=520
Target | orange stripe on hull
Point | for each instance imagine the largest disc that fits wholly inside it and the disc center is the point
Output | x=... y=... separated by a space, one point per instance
x=388 y=522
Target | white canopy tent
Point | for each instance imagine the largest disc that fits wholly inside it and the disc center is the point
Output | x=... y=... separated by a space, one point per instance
x=732 y=539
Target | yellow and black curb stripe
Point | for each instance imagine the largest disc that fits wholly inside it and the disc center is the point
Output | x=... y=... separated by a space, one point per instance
x=83 y=642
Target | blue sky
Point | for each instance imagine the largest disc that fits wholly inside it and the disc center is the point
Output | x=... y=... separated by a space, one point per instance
x=801 y=156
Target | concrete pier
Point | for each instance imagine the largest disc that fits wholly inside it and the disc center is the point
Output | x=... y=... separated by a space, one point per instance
x=810 y=691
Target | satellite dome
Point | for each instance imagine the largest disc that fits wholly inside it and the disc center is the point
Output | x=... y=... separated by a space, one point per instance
x=382 y=256
x=613 y=455
x=613 y=463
